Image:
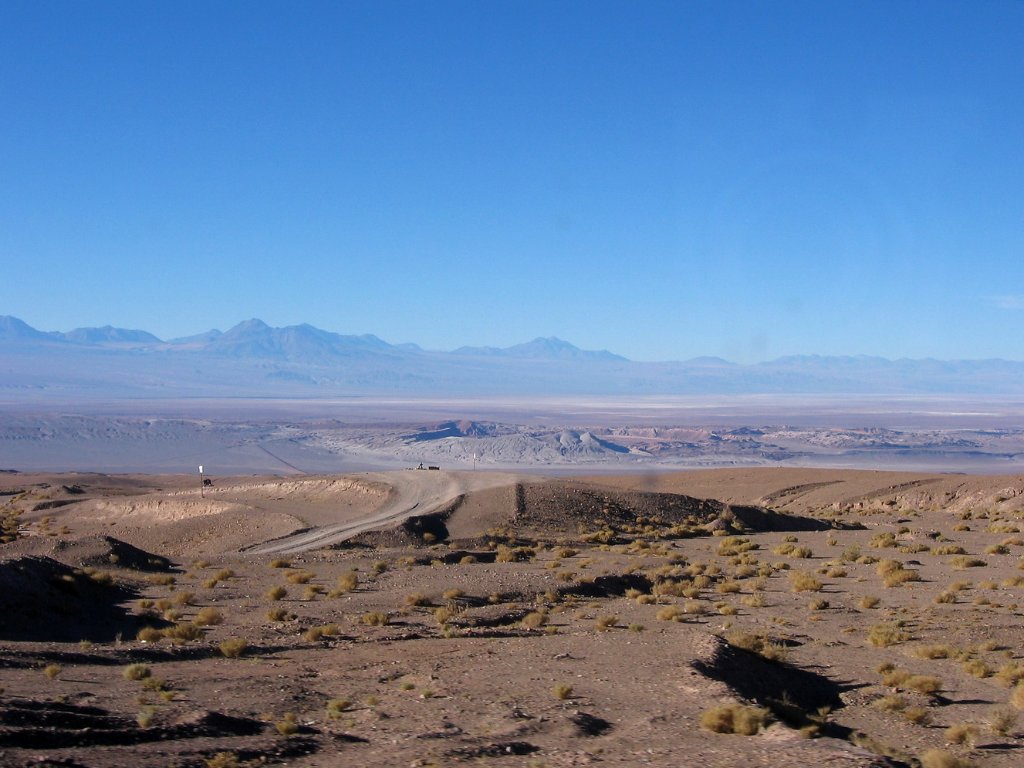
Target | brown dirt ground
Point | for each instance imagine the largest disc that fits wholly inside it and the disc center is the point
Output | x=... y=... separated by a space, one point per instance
x=507 y=593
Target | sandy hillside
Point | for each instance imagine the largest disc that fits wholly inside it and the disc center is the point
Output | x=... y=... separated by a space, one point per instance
x=430 y=618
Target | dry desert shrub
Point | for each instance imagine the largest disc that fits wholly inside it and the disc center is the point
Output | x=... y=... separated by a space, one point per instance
x=735 y=718
x=962 y=562
x=926 y=684
x=280 y=562
x=233 y=647
x=802 y=581
x=287 y=725
x=1010 y=673
x=868 y=602
x=52 y=671
x=962 y=733
x=764 y=647
x=562 y=691
x=884 y=635
x=277 y=593
x=900 y=577
x=136 y=672
x=883 y=540
x=312 y=591
x=891 y=703
x=977 y=668
x=299 y=577
x=223 y=760
x=670 y=613
x=149 y=635
x=604 y=623
x=375 y=619
x=949 y=549
x=535 y=619
x=918 y=715
x=417 y=599
x=321 y=630
x=932 y=651
x=755 y=600
x=1001 y=720
x=208 y=617
x=728 y=587
x=335 y=707
x=184 y=632
x=1017 y=696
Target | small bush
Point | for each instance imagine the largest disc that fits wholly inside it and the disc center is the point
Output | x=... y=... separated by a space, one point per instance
x=932 y=651
x=184 y=632
x=277 y=593
x=208 y=617
x=280 y=562
x=149 y=635
x=417 y=599
x=1001 y=720
x=735 y=718
x=233 y=647
x=52 y=671
x=136 y=672
x=802 y=581
x=891 y=703
x=884 y=635
x=604 y=623
x=535 y=619
x=562 y=691
x=960 y=563
x=962 y=733
x=868 y=602
x=375 y=619
x=321 y=630
x=287 y=725
x=1017 y=696
x=335 y=707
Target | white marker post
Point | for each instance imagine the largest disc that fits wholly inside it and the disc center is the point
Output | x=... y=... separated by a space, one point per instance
x=202 y=489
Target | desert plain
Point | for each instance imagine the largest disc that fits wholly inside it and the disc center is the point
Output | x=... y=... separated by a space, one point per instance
x=726 y=617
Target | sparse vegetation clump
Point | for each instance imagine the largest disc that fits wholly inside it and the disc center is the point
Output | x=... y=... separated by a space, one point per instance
x=886 y=634
x=233 y=647
x=735 y=718
x=803 y=581
x=136 y=672
x=208 y=617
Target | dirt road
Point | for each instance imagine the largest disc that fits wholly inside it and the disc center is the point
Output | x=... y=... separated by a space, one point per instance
x=412 y=492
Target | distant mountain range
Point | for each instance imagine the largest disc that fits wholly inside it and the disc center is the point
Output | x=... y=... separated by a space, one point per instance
x=254 y=359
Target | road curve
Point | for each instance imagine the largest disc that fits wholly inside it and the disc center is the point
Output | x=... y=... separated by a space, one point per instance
x=412 y=492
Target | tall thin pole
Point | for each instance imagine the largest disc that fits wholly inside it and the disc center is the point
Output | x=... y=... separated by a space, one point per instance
x=202 y=488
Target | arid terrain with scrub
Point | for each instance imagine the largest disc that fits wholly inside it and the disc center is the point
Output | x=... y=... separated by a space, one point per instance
x=754 y=617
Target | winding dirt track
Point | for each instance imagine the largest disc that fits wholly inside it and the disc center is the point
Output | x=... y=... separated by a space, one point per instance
x=411 y=493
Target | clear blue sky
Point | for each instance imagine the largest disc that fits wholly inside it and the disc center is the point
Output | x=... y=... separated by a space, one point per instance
x=665 y=180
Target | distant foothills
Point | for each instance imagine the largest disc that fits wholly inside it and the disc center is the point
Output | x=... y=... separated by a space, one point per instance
x=253 y=359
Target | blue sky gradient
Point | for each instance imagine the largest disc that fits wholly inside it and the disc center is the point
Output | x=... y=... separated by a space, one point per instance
x=665 y=180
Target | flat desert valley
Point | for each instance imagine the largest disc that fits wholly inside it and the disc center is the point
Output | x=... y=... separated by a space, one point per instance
x=765 y=616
